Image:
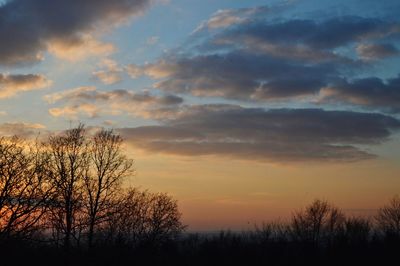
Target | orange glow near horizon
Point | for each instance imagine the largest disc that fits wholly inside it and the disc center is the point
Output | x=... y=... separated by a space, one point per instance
x=216 y=193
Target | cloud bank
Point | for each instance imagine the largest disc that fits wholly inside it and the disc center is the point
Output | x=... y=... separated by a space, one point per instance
x=276 y=135
x=246 y=55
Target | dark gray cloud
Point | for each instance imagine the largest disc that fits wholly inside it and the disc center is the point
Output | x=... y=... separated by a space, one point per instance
x=327 y=34
x=290 y=86
x=269 y=135
x=28 y=27
x=370 y=92
x=239 y=75
x=251 y=57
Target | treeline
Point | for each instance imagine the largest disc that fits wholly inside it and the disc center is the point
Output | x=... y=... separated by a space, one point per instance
x=67 y=192
x=319 y=234
x=62 y=203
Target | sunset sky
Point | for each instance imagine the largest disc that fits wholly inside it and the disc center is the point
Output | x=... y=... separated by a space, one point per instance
x=242 y=110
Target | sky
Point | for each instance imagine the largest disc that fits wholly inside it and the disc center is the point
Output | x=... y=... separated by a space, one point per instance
x=242 y=110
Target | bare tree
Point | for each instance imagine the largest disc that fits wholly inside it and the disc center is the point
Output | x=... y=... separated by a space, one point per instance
x=107 y=166
x=128 y=222
x=144 y=216
x=75 y=181
x=164 y=218
x=388 y=217
x=68 y=162
x=24 y=187
x=320 y=220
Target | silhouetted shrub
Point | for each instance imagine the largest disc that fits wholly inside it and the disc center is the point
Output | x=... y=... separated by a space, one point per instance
x=318 y=222
x=388 y=218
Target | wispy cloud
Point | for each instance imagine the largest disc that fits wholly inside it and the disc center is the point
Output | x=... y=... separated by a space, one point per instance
x=92 y=102
x=111 y=72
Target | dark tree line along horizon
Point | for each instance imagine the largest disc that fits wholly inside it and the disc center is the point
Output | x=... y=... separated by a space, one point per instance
x=68 y=190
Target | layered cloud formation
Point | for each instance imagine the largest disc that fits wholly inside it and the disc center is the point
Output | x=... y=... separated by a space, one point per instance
x=66 y=29
x=249 y=83
x=370 y=91
x=247 y=56
x=278 y=135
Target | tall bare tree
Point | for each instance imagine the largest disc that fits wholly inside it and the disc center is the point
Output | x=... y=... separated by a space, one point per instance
x=108 y=165
x=69 y=164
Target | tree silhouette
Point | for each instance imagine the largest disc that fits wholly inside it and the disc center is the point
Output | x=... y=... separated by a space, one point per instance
x=141 y=216
x=357 y=231
x=388 y=217
x=107 y=166
x=24 y=187
x=318 y=221
x=69 y=153
x=69 y=190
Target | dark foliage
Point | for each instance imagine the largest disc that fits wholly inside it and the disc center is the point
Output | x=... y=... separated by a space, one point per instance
x=355 y=241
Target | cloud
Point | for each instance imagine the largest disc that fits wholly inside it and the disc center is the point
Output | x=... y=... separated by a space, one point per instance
x=73 y=111
x=298 y=52
x=237 y=75
x=327 y=34
x=11 y=85
x=29 y=28
x=223 y=18
x=92 y=103
x=111 y=75
x=108 y=77
x=250 y=55
x=370 y=92
x=376 y=51
x=84 y=47
x=20 y=129
x=277 y=135
x=228 y=17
